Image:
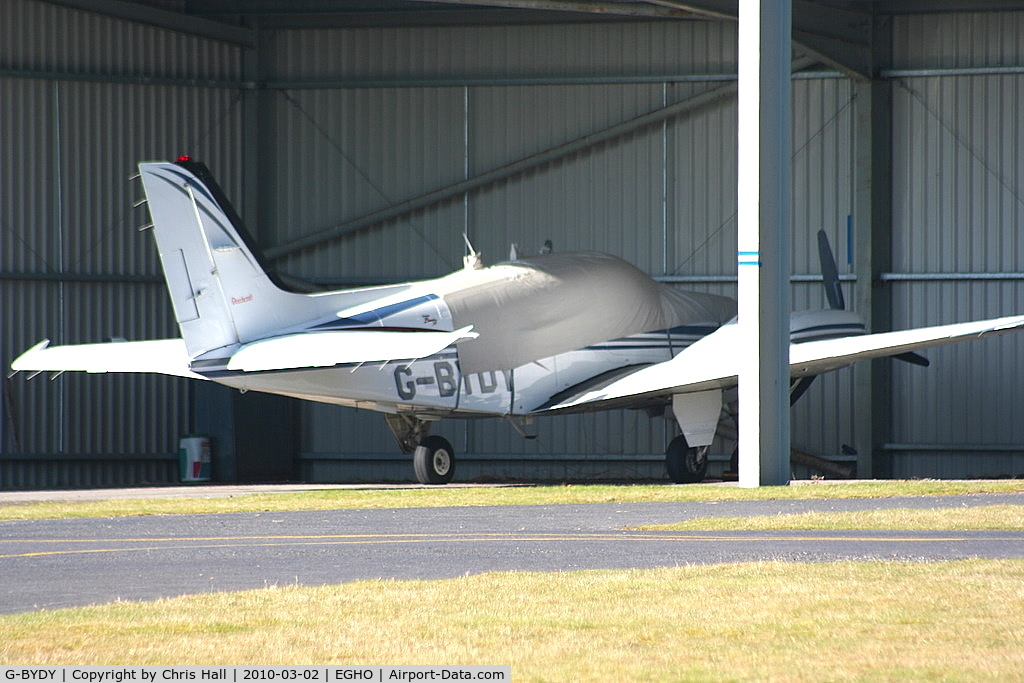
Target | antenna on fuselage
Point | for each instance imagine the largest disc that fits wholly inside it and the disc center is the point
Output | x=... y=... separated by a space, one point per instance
x=473 y=259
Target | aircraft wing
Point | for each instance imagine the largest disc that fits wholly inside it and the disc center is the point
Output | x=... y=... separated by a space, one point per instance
x=327 y=349
x=713 y=361
x=310 y=350
x=162 y=356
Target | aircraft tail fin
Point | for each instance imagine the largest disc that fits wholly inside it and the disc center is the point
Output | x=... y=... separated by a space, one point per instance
x=220 y=288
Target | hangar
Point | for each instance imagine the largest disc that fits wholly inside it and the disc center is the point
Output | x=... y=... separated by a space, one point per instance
x=360 y=140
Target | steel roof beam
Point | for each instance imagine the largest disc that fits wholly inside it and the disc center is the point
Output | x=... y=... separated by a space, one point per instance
x=894 y=7
x=853 y=59
x=651 y=10
x=836 y=34
x=173 y=21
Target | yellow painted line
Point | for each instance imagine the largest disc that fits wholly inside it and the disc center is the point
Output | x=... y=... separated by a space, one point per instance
x=217 y=542
x=296 y=542
x=219 y=538
x=633 y=534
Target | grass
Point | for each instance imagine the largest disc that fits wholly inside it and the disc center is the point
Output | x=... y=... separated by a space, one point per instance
x=515 y=495
x=996 y=517
x=959 y=620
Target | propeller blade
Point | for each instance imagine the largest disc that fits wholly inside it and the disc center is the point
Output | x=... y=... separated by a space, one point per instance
x=914 y=359
x=799 y=388
x=830 y=274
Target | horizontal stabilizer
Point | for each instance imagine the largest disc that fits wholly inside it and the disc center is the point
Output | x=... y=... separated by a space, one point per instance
x=327 y=349
x=162 y=356
x=713 y=361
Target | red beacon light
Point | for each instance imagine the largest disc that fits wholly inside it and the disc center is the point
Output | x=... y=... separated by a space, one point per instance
x=183 y=157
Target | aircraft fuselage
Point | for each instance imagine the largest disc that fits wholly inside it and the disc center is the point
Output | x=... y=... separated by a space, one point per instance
x=437 y=386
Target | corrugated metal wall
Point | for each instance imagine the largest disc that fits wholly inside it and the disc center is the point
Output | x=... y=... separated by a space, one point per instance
x=75 y=118
x=662 y=197
x=383 y=145
x=958 y=242
x=823 y=181
x=367 y=118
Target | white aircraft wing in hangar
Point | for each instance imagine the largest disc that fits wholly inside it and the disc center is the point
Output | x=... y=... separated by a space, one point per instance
x=161 y=356
x=712 y=362
x=170 y=357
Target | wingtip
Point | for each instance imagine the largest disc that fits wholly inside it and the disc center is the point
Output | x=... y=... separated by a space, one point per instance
x=1011 y=323
x=19 y=364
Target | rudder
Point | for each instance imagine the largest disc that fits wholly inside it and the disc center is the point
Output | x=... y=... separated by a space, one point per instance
x=221 y=293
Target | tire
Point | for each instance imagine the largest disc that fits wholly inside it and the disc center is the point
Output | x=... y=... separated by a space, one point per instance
x=685 y=464
x=434 y=461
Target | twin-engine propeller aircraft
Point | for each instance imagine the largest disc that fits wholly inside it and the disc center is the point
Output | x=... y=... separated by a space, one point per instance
x=554 y=333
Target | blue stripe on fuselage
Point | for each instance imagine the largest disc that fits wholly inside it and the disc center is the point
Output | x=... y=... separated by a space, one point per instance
x=683 y=335
x=375 y=315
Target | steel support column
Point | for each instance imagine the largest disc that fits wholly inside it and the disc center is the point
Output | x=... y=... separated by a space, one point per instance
x=873 y=256
x=763 y=218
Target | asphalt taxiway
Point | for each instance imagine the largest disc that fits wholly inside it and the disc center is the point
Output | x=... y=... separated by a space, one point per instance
x=48 y=564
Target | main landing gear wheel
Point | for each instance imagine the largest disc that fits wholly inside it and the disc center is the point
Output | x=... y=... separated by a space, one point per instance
x=686 y=464
x=434 y=461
